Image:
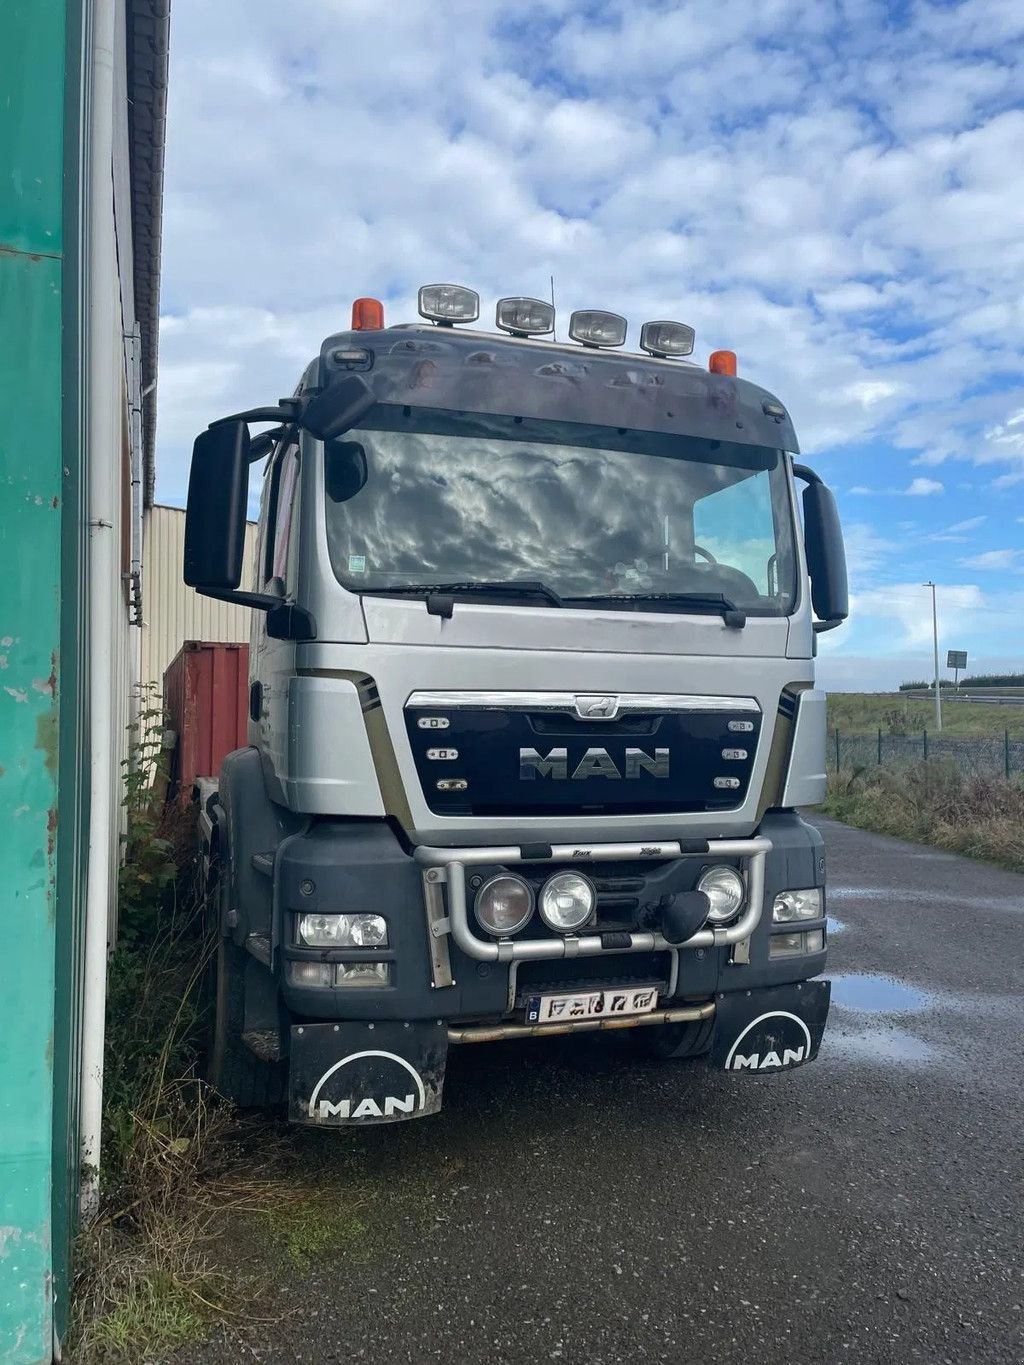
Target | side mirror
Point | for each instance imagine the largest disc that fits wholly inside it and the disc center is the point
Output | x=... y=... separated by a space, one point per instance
x=218 y=487
x=826 y=555
x=338 y=408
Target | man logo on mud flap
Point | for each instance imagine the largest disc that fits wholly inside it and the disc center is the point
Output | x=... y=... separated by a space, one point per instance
x=771 y=1042
x=409 y=1093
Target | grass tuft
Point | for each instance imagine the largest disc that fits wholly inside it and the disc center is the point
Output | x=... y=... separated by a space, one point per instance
x=974 y=815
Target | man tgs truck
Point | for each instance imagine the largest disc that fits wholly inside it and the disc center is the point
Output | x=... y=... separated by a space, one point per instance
x=532 y=708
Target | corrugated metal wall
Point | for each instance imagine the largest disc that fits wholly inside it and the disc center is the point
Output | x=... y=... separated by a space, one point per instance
x=172 y=613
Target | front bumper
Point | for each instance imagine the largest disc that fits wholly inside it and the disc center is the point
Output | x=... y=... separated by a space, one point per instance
x=350 y=1074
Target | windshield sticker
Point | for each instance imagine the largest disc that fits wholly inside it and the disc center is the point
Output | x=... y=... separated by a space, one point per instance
x=357 y=563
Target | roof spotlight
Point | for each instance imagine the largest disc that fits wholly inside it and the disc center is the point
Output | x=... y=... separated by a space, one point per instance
x=665 y=339
x=447 y=304
x=591 y=327
x=525 y=317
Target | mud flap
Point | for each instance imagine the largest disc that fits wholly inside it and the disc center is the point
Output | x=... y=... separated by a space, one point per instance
x=353 y=1074
x=762 y=1032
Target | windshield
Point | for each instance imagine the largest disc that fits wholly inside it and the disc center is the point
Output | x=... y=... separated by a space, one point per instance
x=421 y=497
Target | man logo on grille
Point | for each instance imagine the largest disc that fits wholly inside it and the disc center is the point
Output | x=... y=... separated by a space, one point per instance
x=597 y=708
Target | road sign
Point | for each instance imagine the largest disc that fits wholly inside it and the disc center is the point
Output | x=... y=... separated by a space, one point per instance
x=956 y=658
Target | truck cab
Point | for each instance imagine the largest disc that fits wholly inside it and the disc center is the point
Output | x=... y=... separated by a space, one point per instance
x=532 y=709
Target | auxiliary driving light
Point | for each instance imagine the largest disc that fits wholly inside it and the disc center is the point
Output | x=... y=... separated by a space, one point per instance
x=503 y=904
x=666 y=339
x=794 y=905
x=593 y=328
x=792 y=945
x=525 y=317
x=567 y=901
x=364 y=974
x=448 y=303
x=343 y=931
x=725 y=889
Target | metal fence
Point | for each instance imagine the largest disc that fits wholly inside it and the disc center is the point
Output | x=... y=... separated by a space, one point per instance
x=997 y=755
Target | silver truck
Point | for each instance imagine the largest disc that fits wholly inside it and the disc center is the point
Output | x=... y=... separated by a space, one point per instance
x=532 y=709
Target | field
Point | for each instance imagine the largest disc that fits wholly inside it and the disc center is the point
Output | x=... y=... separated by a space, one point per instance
x=865 y=713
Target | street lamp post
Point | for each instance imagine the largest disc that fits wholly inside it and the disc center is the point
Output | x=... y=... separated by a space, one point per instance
x=935 y=643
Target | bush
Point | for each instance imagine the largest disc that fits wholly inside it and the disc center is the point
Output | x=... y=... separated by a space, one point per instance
x=978 y=816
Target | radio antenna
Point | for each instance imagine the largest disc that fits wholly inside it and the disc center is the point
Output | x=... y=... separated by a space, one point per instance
x=554 y=331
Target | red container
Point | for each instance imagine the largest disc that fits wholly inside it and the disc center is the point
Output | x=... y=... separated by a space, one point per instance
x=206 y=695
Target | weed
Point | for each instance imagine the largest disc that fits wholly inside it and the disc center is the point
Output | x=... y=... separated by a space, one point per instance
x=975 y=815
x=313 y=1227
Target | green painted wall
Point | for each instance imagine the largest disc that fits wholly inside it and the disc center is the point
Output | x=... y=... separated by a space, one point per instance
x=32 y=70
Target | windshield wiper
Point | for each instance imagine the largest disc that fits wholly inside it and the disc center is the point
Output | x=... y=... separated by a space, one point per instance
x=441 y=596
x=716 y=602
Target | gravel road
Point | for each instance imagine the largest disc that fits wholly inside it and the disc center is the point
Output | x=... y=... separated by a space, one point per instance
x=573 y=1203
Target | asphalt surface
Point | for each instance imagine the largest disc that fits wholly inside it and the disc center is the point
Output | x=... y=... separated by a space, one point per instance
x=575 y=1204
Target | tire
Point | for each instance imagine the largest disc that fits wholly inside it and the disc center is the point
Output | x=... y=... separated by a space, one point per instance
x=675 y=1042
x=233 y=1069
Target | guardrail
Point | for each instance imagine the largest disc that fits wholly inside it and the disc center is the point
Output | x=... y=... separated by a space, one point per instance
x=1001 y=696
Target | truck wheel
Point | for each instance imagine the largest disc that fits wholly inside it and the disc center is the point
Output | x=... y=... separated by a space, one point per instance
x=675 y=1042
x=231 y=1068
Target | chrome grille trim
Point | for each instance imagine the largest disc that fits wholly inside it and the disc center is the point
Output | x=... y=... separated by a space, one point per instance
x=566 y=701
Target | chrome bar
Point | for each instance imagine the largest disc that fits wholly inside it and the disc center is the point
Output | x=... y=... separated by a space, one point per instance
x=566 y=701
x=590 y=945
x=685 y=1014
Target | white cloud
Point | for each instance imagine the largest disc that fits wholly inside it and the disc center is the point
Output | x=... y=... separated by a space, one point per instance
x=969 y=524
x=905 y=608
x=993 y=559
x=835 y=196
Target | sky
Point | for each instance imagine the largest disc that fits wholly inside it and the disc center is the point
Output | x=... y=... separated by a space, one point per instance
x=832 y=188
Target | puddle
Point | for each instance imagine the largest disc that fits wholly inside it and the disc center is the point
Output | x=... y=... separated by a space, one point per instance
x=877 y=995
x=835 y=926
x=879 y=1045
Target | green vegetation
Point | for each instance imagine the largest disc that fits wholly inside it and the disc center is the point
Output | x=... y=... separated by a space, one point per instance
x=143 y=1284
x=971 y=680
x=317 y=1225
x=865 y=713
x=980 y=817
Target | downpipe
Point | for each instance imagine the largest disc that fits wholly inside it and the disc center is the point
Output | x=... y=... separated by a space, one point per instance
x=103 y=365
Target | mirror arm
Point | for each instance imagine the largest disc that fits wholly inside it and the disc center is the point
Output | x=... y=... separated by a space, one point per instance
x=285 y=621
x=819 y=626
x=259 y=601
x=287 y=410
x=801 y=471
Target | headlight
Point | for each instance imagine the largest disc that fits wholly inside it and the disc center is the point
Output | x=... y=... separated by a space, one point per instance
x=724 y=888
x=567 y=901
x=343 y=931
x=792 y=905
x=503 y=904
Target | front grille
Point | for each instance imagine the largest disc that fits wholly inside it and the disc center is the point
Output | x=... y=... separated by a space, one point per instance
x=490 y=762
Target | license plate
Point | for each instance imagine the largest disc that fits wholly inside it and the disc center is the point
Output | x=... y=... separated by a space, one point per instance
x=550 y=1009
